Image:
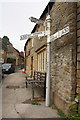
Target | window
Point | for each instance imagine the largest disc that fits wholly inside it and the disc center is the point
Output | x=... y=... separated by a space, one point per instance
x=9 y=54
x=41 y=57
x=32 y=42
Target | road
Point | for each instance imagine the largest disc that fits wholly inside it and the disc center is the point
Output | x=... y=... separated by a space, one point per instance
x=14 y=95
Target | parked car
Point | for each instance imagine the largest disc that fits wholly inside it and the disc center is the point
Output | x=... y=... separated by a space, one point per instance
x=8 y=68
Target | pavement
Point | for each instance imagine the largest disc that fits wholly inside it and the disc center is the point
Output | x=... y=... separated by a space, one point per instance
x=13 y=100
x=0 y=100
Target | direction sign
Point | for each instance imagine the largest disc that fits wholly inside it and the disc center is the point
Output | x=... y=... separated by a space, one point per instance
x=23 y=37
x=33 y=19
x=33 y=35
x=59 y=33
x=37 y=21
x=44 y=33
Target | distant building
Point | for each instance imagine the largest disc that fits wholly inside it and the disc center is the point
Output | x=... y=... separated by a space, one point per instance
x=21 y=53
x=3 y=52
x=12 y=55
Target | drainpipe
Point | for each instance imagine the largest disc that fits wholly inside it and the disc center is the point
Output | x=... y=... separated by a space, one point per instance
x=25 y=58
x=48 y=62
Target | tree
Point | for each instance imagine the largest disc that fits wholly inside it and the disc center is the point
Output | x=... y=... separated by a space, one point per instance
x=10 y=60
x=5 y=40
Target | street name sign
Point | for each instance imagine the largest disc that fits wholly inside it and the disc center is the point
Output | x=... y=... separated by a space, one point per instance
x=33 y=19
x=37 y=21
x=33 y=35
x=60 y=33
x=44 y=33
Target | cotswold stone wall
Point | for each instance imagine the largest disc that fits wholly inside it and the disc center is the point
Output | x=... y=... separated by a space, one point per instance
x=39 y=41
x=28 y=57
x=78 y=49
x=63 y=55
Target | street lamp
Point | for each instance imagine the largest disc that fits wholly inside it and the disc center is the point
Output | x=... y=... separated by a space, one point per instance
x=47 y=21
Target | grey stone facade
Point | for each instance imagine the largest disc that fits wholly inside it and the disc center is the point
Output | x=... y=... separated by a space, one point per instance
x=63 y=55
x=78 y=50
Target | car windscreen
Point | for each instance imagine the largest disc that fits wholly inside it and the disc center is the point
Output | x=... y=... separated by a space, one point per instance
x=6 y=66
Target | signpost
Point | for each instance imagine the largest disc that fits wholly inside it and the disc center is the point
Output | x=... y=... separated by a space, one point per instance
x=33 y=35
x=44 y=33
x=37 y=21
x=60 y=33
x=49 y=39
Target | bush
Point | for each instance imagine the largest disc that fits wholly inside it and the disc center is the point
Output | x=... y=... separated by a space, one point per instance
x=10 y=60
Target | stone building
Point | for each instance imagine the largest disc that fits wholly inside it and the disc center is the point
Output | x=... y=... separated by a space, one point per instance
x=13 y=53
x=78 y=51
x=64 y=52
x=3 y=52
x=65 y=83
x=63 y=55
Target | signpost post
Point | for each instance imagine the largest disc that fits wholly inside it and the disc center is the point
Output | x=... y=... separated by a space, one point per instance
x=49 y=39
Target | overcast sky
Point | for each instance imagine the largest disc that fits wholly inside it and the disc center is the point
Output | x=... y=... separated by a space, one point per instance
x=14 y=18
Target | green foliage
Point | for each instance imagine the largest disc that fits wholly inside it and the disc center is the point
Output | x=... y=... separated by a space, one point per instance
x=10 y=60
x=5 y=40
x=72 y=113
x=35 y=103
x=60 y=113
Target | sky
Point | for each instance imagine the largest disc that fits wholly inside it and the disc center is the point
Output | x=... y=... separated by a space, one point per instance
x=14 y=19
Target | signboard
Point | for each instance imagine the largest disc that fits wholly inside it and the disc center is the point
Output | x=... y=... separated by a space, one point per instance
x=33 y=19
x=44 y=33
x=37 y=21
x=23 y=37
x=59 y=33
x=33 y=35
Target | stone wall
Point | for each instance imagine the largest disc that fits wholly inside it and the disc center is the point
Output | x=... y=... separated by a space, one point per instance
x=78 y=48
x=38 y=44
x=28 y=57
x=63 y=55
x=13 y=53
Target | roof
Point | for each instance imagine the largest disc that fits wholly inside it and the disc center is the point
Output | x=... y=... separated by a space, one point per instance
x=16 y=50
x=50 y=4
